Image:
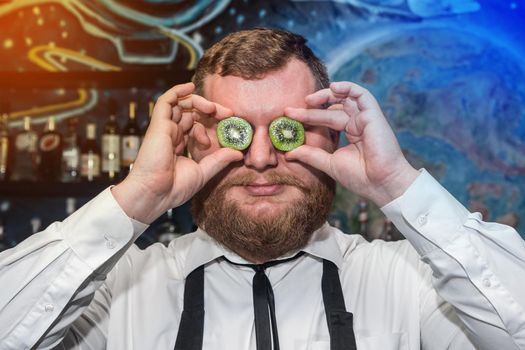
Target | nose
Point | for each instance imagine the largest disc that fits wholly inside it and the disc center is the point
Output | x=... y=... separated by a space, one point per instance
x=261 y=154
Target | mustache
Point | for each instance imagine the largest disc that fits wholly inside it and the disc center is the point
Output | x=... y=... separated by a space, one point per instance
x=272 y=178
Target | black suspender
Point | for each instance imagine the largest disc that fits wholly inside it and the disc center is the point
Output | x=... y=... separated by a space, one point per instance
x=191 y=328
x=340 y=322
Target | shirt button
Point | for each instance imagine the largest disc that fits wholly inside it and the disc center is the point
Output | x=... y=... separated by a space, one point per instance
x=110 y=244
x=49 y=308
x=486 y=282
x=422 y=220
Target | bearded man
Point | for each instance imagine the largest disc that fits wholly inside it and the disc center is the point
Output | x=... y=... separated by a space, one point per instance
x=264 y=270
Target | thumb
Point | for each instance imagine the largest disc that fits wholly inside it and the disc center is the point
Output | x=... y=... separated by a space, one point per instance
x=213 y=163
x=313 y=156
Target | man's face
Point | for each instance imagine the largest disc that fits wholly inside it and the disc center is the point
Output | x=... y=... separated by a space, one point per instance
x=264 y=185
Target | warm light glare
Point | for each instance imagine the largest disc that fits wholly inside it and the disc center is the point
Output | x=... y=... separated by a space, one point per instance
x=40 y=21
x=64 y=35
x=29 y=41
x=8 y=43
x=36 y=10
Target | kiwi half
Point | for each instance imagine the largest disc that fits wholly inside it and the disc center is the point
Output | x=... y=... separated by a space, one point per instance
x=286 y=134
x=234 y=132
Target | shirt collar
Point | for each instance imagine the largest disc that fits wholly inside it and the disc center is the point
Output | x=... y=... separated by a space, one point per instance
x=323 y=244
x=204 y=249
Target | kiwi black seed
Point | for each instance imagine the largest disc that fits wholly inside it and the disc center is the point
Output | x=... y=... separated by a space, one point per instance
x=234 y=132
x=286 y=134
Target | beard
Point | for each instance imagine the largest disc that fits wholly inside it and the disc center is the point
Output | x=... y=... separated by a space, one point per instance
x=263 y=238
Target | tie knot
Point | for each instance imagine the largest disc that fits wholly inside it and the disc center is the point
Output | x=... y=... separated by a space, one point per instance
x=259 y=267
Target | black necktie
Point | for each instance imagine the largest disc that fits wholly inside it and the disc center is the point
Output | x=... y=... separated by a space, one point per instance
x=264 y=304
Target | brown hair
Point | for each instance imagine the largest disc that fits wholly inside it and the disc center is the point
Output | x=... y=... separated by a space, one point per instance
x=250 y=54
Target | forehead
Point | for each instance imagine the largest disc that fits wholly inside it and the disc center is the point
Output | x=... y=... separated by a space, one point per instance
x=263 y=99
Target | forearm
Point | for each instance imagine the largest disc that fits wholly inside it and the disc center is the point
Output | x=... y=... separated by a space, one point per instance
x=475 y=265
x=41 y=276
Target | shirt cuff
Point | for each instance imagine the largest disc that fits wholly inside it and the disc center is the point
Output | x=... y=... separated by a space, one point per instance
x=100 y=229
x=427 y=214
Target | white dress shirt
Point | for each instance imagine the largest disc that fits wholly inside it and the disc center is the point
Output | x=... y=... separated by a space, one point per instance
x=82 y=284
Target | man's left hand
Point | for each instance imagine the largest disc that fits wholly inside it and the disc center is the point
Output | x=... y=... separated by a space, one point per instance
x=372 y=165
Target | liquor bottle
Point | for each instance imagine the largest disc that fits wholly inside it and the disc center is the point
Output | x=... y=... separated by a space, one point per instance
x=90 y=154
x=50 y=149
x=145 y=126
x=5 y=146
x=71 y=205
x=25 y=164
x=4 y=244
x=71 y=153
x=130 y=141
x=36 y=224
x=363 y=218
x=111 y=145
x=168 y=230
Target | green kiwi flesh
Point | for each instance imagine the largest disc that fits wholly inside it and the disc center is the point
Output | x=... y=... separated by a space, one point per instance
x=286 y=134
x=234 y=132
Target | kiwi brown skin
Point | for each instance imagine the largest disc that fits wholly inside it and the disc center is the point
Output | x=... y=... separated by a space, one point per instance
x=234 y=132
x=286 y=134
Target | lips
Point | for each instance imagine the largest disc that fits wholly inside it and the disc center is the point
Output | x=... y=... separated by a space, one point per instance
x=263 y=189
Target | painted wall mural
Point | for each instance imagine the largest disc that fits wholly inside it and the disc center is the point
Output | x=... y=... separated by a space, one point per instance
x=449 y=73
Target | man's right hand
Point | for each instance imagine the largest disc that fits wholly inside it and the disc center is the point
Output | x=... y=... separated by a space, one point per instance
x=162 y=176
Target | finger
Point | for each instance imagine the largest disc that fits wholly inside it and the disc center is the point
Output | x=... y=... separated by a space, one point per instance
x=218 y=160
x=196 y=106
x=343 y=92
x=179 y=149
x=321 y=97
x=362 y=96
x=177 y=137
x=203 y=105
x=186 y=122
x=313 y=156
x=336 y=119
x=163 y=109
x=198 y=133
x=348 y=105
x=173 y=95
x=176 y=114
x=222 y=112
x=337 y=106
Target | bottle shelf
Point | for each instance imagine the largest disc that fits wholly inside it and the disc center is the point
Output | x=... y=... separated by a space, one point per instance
x=10 y=189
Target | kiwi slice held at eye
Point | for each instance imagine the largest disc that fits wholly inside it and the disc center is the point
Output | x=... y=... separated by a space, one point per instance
x=286 y=134
x=234 y=132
